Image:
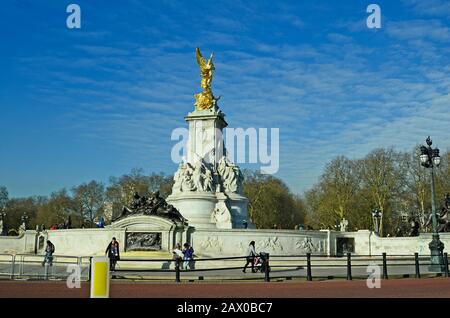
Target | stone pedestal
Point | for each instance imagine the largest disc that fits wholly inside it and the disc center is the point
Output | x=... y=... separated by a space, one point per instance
x=196 y=207
x=437 y=259
x=148 y=233
x=238 y=206
x=207 y=186
x=205 y=136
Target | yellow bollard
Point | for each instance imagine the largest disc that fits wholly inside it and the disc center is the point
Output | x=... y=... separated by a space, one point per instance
x=100 y=277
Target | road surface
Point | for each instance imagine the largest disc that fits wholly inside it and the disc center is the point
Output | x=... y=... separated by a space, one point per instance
x=438 y=287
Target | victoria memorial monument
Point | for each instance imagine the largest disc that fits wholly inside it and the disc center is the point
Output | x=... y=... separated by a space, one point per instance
x=206 y=208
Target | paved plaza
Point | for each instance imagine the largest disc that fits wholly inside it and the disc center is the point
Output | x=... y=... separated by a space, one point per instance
x=59 y=271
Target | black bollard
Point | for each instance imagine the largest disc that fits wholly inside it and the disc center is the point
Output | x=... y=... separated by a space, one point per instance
x=308 y=267
x=385 y=272
x=90 y=269
x=349 y=266
x=266 y=268
x=416 y=262
x=177 y=270
x=446 y=264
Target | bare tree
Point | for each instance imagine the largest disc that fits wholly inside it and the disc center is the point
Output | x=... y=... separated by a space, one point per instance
x=271 y=203
x=334 y=197
x=89 y=200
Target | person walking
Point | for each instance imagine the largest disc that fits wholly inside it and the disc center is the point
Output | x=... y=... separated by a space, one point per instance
x=251 y=254
x=188 y=253
x=113 y=253
x=192 y=255
x=49 y=250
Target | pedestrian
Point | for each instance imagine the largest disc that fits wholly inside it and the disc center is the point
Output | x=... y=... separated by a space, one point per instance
x=68 y=223
x=101 y=223
x=251 y=254
x=192 y=255
x=113 y=253
x=49 y=250
x=188 y=253
x=177 y=252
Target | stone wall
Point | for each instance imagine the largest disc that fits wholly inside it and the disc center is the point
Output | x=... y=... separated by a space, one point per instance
x=367 y=243
x=83 y=242
x=220 y=242
x=24 y=243
x=234 y=242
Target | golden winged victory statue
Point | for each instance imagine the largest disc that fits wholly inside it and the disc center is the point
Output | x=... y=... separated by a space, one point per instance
x=205 y=99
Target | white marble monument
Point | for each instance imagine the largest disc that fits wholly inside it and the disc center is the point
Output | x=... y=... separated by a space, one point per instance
x=208 y=193
x=207 y=186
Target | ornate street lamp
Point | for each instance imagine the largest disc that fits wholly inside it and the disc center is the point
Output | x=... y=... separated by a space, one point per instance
x=429 y=158
x=376 y=216
x=24 y=220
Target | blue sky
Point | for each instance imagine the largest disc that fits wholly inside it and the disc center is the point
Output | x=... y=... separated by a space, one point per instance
x=86 y=104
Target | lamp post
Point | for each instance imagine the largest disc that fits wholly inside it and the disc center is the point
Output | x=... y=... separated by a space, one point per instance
x=3 y=230
x=376 y=216
x=24 y=220
x=429 y=158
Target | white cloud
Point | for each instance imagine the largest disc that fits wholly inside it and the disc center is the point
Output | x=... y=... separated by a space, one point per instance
x=419 y=29
x=342 y=97
x=429 y=7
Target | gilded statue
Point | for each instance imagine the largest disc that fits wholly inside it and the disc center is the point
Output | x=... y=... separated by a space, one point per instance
x=205 y=99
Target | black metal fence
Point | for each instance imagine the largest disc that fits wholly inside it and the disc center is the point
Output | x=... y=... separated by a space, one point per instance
x=272 y=267
x=31 y=266
x=306 y=266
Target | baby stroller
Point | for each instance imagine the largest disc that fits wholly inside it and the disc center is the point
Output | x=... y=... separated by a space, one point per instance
x=260 y=262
